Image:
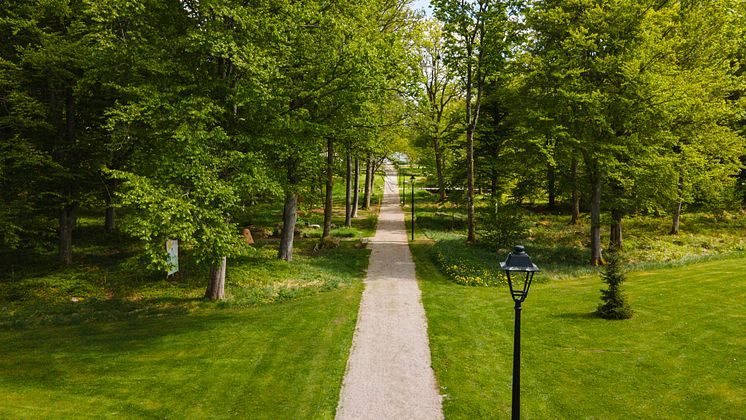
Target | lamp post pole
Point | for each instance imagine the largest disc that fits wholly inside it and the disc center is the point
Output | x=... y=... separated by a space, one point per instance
x=401 y=186
x=411 y=187
x=520 y=270
x=516 y=407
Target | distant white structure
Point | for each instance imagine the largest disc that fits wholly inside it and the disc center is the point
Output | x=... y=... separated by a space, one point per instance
x=400 y=157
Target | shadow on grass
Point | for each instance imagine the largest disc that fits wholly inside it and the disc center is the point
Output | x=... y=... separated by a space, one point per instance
x=52 y=357
x=45 y=313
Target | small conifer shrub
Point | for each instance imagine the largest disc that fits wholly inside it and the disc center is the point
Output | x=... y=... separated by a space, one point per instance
x=614 y=304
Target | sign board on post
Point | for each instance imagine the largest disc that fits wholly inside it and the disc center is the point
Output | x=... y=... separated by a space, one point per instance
x=172 y=248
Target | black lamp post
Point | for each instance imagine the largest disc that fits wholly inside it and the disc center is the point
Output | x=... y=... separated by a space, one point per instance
x=520 y=272
x=411 y=187
x=401 y=186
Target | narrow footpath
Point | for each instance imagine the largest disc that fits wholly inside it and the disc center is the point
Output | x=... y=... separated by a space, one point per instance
x=389 y=374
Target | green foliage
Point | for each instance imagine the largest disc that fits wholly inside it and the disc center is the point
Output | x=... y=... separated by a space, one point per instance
x=111 y=280
x=463 y=270
x=501 y=226
x=560 y=249
x=467 y=265
x=614 y=304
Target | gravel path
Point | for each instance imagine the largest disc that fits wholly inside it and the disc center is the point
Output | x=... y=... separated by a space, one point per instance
x=389 y=375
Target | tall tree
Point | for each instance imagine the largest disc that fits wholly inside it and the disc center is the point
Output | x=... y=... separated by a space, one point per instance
x=600 y=61
x=52 y=115
x=330 y=58
x=185 y=111
x=703 y=81
x=441 y=98
x=475 y=33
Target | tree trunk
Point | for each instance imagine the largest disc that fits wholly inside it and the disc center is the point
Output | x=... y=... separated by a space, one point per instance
x=677 y=212
x=596 y=255
x=289 y=214
x=615 y=241
x=575 y=218
x=110 y=214
x=676 y=225
x=288 y=226
x=471 y=236
x=372 y=181
x=329 y=189
x=439 y=169
x=356 y=188
x=110 y=220
x=552 y=188
x=216 y=286
x=68 y=216
x=348 y=189
x=69 y=212
x=368 y=182
x=493 y=184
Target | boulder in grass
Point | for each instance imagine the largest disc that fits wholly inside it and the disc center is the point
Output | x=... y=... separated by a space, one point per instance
x=247 y=237
x=327 y=242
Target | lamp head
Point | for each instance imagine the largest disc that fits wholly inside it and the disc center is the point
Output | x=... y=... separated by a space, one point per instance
x=519 y=269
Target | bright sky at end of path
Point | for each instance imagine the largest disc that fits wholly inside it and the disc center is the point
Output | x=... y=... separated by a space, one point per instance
x=423 y=5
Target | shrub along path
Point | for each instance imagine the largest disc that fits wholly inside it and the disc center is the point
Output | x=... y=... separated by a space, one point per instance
x=389 y=373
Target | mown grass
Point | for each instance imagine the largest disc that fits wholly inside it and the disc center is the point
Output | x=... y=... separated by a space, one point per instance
x=108 y=337
x=681 y=356
x=269 y=361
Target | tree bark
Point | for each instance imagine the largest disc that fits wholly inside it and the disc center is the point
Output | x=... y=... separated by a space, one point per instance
x=368 y=182
x=676 y=225
x=69 y=211
x=372 y=180
x=575 y=218
x=110 y=214
x=596 y=255
x=216 y=286
x=329 y=202
x=289 y=214
x=110 y=219
x=471 y=236
x=677 y=212
x=348 y=189
x=439 y=169
x=68 y=217
x=288 y=226
x=493 y=183
x=615 y=241
x=356 y=188
x=552 y=187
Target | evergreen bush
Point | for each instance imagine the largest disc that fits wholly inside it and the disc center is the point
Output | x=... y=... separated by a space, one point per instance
x=614 y=304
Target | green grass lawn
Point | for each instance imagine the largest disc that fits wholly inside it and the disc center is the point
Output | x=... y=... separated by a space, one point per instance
x=681 y=356
x=270 y=361
x=107 y=337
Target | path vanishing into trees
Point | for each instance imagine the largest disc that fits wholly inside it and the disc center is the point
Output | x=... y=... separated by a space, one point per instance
x=389 y=373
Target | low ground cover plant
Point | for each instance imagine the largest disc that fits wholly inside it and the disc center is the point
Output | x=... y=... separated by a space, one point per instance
x=561 y=250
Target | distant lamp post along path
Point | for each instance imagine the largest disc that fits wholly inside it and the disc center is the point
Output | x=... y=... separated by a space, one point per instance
x=389 y=373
